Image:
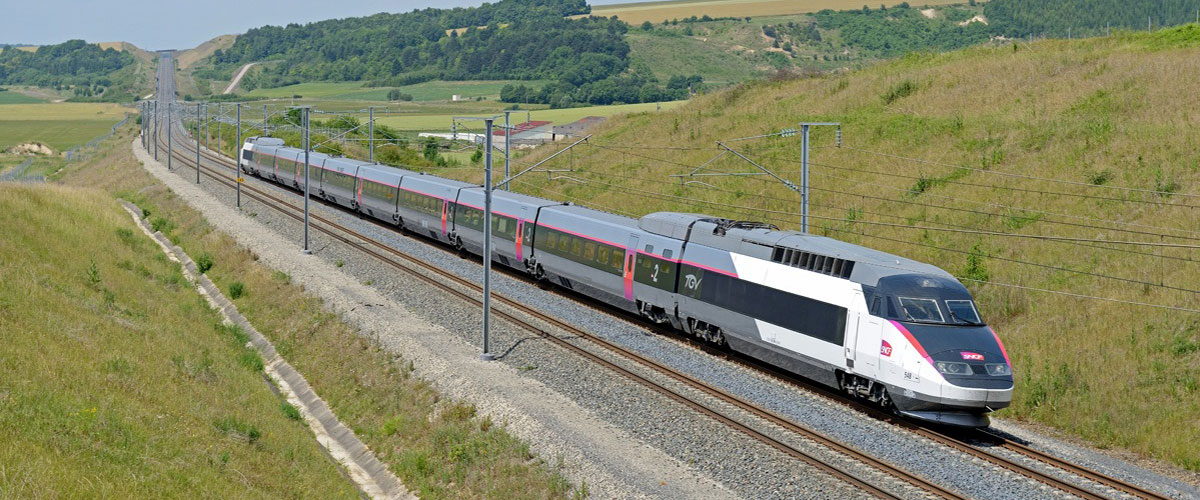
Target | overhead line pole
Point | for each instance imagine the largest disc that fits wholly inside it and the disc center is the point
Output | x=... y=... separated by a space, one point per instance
x=487 y=245
x=237 y=151
x=371 y=134
x=197 y=143
x=219 y=115
x=170 y=104
x=154 y=112
x=507 y=143
x=307 y=251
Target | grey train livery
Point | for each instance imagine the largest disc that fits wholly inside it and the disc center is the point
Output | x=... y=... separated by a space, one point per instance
x=898 y=332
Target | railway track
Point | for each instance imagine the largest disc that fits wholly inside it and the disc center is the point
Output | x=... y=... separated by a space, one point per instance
x=957 y=441
x=455 y=285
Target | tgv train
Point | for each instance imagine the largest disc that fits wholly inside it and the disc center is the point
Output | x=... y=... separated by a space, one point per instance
x=898 y=332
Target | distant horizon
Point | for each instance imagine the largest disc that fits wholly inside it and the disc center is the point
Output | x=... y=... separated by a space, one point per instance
x=141 y=22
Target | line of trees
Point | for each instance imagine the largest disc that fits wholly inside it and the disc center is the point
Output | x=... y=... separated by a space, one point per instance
x=1018 y=18
x=623 y=89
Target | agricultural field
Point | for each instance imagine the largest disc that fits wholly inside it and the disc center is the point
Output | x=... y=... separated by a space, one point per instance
x=118 y=396
x=657 y=12
x=427 y=91
x=12 y=97
x=558 y=116
x=1089 y=146
x=58 y=125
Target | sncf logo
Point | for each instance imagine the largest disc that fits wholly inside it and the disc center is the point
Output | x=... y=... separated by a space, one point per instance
x=971 y=356
x=886 y=349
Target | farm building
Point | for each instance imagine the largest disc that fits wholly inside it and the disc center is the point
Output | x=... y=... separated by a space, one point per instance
x=577 y=128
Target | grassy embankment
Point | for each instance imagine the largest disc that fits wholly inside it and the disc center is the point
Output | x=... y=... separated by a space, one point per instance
x=656 y=12
x=117 y=380
x=58 y=125
x=438 y=448
x=1101 y=112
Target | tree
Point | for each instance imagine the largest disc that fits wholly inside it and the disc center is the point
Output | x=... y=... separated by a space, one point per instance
x=431 y=149
x=647 y=26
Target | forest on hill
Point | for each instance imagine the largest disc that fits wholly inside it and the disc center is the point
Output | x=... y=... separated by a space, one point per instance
x=74 y=63
x=587 y=58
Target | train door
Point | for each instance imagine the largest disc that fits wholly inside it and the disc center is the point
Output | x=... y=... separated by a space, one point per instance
x=630 y=260
x=869 y=345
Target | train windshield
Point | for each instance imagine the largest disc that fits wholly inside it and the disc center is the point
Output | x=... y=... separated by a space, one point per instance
x=925 y=310
x=963 y=311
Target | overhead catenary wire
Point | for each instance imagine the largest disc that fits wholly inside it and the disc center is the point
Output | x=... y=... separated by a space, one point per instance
x=1081 y=296
x=1159 y=203
x=989 y=256
x=1022 y=176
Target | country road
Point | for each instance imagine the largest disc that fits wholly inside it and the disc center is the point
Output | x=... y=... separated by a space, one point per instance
x=238 y=78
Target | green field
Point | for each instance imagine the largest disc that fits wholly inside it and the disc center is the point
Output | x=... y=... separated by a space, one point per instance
x=442 y=122
x=11 y=97
x=427 y=91
x=118 y=380
x=58 y=125
x=656 y=12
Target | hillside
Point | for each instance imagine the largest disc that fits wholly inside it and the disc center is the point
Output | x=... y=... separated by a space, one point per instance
x=127 y=385
x=109 y=71
x=1087 y=139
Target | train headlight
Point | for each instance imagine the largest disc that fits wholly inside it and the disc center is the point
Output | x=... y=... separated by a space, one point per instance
x=999 y=369
x=952 y=368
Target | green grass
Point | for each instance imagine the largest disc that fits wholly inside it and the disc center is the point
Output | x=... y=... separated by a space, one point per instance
x=427 y=91
x=558 y=116
x=1117 y=375
x=11 y=97
x=667 y=56
x=116 y=379
x=58 y=125
x=439 y=448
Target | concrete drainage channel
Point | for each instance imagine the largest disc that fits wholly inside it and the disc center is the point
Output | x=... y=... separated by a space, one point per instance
x=370 y=475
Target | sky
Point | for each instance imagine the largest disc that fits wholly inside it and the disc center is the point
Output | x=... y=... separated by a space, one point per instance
x=178 y=25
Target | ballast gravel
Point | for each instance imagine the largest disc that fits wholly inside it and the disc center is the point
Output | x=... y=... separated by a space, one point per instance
x=629 y=412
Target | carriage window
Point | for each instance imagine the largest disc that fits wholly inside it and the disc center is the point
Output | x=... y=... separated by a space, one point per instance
x=649 y=248
x=921 y=310
x=589 y=251
x=667 y=253
x=963 y=310
x=603 y=255
x=875 y=306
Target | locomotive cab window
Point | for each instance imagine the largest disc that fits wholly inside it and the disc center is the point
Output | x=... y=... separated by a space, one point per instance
x=963 y=311
x=921 y=310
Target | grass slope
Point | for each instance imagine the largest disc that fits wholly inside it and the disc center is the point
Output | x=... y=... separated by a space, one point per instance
x=1107 y=111
x=58 y=125
x=438 y=447
x=118 y=381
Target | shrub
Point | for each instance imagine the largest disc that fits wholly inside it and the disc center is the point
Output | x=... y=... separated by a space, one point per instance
x=900 y=91
x=236 y=289
x=290 y=411
x=204 y=262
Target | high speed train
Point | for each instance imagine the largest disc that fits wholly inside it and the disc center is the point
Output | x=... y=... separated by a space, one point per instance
x=898 y=332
